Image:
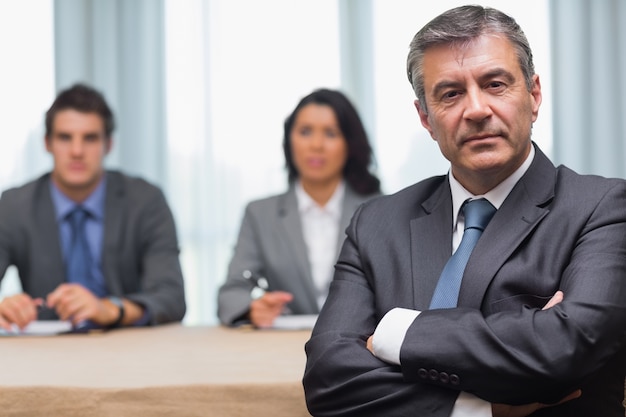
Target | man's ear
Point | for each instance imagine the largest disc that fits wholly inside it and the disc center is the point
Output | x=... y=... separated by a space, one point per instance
x=47 y=140
x=108 y=145
x=536 y=96
x=423 y=114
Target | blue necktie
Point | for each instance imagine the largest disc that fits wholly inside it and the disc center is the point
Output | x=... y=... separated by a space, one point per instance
x=79 y=260
x=477 y=215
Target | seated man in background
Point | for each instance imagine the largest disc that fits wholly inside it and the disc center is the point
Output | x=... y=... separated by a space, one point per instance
x=92 y=246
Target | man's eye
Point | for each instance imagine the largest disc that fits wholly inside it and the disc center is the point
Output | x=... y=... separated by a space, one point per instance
x=450 y=94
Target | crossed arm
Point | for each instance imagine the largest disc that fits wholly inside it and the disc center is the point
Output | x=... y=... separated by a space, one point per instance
x=506 y=410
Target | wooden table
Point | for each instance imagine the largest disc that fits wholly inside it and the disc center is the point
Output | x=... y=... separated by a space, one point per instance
x=170 y=370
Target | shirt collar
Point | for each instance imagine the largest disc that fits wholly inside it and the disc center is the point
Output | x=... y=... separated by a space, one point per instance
x=495 y=196
x=94 y=204
x=306 y=203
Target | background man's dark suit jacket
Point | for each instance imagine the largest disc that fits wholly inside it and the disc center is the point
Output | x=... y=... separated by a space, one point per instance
x=556 y=230
x=271 y=244
x=139 y=254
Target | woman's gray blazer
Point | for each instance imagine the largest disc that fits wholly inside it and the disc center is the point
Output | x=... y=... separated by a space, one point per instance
x=271 y=245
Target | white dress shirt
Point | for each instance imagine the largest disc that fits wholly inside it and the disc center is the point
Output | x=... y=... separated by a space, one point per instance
x=320 y=228
x=391 y=330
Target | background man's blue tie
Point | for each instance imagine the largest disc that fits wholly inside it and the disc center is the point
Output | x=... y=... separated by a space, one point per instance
x=477 y=213
x=79 y=258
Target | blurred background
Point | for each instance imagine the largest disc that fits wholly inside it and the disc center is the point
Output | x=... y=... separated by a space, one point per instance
x=201 y=88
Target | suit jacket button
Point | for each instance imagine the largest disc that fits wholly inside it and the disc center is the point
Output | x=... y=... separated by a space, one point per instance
x=454 y=379
x=433 y=374
x=444 y=377
x=422 y=373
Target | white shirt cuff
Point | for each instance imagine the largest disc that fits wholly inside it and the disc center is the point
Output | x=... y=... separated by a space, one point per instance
x=387 y=342
x=469 y=405
x=390 y=334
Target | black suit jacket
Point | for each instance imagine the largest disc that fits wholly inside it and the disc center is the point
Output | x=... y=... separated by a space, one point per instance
x=139 y=252
x=556 y=230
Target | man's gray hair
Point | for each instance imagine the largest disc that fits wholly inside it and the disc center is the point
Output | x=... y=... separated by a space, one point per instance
x=460 y=26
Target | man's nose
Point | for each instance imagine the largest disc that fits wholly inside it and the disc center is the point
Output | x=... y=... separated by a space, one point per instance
x=477 y=105
x=77 y=146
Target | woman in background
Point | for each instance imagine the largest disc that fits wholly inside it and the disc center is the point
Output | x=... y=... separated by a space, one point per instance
x=288 y=243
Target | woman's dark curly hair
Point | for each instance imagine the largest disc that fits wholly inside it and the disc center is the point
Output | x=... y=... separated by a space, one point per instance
x=360 y=156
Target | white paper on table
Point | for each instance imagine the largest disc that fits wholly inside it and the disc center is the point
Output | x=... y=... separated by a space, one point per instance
x=40 y=328
x=295 y=322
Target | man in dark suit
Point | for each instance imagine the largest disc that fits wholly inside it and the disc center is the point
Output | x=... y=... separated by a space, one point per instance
x=541 y=311
x=129 y=271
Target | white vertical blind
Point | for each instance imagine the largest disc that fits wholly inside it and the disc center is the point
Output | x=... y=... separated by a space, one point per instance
x=117 y=47
x=589 y=46
x=27 y=86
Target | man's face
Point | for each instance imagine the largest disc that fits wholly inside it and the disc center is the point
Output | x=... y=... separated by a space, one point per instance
x=480 y=111
x=78 y=144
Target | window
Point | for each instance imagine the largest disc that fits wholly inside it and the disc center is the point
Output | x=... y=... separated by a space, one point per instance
x=27 y=85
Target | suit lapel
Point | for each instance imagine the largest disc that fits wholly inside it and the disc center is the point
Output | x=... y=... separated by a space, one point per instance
x=113 y=225
x=520 y=213
x=431 y=244
x=289 y=219
x=49 y=250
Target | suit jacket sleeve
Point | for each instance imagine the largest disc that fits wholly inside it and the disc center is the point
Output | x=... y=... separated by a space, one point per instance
x=29 y=238
x=146 y=268
x=234 y=295
x=6 y=234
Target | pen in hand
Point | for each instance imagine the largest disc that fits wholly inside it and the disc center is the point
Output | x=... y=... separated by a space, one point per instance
x=41 y=304
x=45 y=311
x=260 y=283
x=80 y=327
